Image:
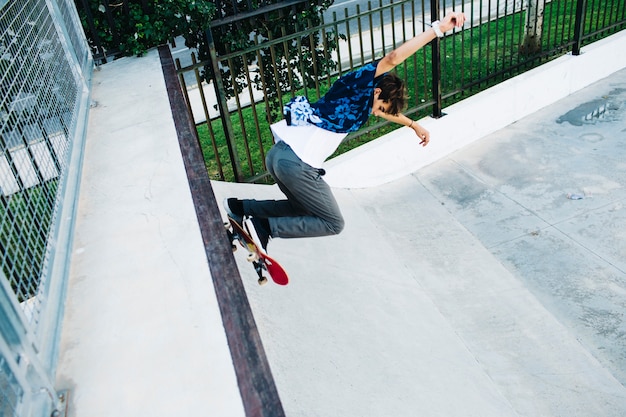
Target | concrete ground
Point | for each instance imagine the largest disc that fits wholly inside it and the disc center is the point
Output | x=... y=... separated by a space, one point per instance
x=488 y=281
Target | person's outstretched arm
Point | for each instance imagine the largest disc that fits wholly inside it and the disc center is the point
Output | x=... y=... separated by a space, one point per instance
x=401 y=53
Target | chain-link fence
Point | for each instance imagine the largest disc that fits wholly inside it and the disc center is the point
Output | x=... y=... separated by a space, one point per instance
x=45 y=64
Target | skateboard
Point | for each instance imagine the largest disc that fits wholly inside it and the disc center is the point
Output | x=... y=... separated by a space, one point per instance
x=261 y=261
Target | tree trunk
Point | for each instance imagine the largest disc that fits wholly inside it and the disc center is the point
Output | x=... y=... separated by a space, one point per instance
x=532 y=29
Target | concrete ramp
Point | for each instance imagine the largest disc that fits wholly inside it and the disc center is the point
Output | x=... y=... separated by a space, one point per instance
x=406 y=313
x=472 y=287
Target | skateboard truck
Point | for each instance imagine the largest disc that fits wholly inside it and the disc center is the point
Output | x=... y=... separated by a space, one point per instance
x=261 y=262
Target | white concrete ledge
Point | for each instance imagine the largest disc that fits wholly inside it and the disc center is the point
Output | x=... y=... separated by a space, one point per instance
x=398 y=153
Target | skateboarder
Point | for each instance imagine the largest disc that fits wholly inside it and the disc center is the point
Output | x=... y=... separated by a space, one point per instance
x=313 y=131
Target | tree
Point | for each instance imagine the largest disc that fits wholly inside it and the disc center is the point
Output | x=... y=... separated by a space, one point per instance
x=130 y=27
x=290 y=63
x=533 y=27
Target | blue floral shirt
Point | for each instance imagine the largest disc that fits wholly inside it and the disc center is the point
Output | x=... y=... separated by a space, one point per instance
x=347 y=105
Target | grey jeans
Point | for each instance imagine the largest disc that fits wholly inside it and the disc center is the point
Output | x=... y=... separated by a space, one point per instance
x=310 y=208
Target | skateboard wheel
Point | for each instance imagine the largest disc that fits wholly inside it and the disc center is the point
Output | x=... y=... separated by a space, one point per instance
x=234 y=247
x=252 y=257
x=262 y=280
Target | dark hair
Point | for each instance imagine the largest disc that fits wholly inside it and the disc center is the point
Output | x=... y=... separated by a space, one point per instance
x=392 y=92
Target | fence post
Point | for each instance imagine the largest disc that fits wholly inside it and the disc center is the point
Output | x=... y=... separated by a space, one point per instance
x=581 y=6
x=436 y=63
x=220 y=92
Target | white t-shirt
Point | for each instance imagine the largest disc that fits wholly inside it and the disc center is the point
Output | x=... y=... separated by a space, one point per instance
x=312 y=144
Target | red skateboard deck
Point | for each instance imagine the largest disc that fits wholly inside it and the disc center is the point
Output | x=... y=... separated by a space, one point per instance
x=256 y=255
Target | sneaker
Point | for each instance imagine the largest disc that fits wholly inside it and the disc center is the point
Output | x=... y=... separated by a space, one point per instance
x=259 y=229
x=234 y=209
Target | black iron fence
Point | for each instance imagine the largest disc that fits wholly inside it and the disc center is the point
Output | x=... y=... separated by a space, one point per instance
x=499 y=41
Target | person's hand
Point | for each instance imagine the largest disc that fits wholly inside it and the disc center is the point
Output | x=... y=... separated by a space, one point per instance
x=452 y=20
x=421 y=133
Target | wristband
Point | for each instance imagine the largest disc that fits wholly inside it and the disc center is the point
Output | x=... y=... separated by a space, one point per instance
x=435 y=26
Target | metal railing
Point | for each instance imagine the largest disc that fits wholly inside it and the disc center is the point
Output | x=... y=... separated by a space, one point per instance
x=493 y=46
x=45 y=67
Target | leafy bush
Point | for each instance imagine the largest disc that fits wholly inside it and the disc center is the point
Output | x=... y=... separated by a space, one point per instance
x=130 y=27
x=288 y=66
